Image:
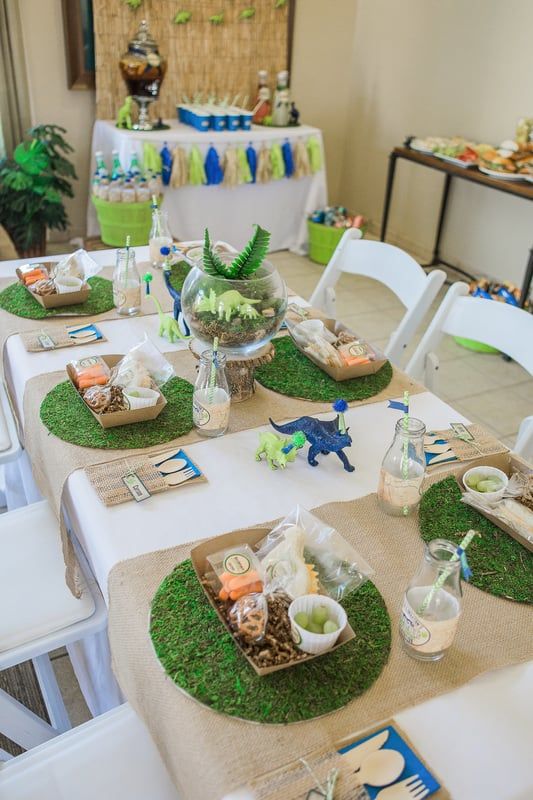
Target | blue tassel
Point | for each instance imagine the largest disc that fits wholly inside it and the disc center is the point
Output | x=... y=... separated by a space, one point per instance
x=166 y=162
x=467 y=572
x=213 y=170
x=286 y=150
x=251 y=155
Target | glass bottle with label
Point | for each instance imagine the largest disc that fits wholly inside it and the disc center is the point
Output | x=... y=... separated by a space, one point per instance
x=263 y=105
x=160 y=236
x=126 y=283
x=403 y=469
x=211 y=398
x=281 y=107
x=432 y=603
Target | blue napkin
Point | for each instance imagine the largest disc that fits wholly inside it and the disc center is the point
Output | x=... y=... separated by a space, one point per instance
x=413 y=765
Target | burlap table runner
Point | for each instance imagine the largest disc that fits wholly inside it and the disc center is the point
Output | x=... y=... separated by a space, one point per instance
x=209 y=754
x=59 y=336
x=53 y=459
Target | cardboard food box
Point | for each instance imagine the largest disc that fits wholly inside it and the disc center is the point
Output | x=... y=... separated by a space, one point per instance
x=54 y=300
x=201 y=566
x=508 y=463
x=344 y=373
x=115 y=418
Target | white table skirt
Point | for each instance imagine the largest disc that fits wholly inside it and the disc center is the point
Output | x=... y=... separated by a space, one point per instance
x=279 y=206
x=478 y=738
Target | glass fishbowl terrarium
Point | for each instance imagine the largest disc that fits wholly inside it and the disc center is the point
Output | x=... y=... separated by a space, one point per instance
x=143 y=70
x=244 y=314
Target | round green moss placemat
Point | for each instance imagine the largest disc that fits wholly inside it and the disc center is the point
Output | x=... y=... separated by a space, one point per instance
x=17 y=300
x=178 y=273
x=65 y=414
x=500 y=565
x=201 y=657
x=293 y=374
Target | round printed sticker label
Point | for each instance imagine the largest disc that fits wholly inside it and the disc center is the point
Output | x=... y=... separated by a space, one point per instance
x=237 y=564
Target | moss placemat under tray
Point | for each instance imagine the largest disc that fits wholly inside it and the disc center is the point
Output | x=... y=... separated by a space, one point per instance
x=201 y=657
x=500 y=565
x=17 y=300
x=65 y=414
x=293 y=374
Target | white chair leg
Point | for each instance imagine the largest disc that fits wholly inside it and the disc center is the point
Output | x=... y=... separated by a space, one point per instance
x=21 y=725
x=51 y=693
x=431 y=369
x=330 y=302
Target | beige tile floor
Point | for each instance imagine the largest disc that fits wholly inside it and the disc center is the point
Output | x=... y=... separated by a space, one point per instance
x=483 y=387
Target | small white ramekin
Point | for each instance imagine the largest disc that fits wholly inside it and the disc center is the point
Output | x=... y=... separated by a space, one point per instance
x=316 y=643
x=489 y=472
x=146 y=398
x=68 y=284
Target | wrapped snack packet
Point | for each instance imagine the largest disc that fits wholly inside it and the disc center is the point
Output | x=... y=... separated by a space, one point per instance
x=248 y=617
x=142 y=366
x=238 y=572
x=77 y=265
x=92 y=371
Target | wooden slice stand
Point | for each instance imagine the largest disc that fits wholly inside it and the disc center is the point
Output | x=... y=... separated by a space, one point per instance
x=239 y=370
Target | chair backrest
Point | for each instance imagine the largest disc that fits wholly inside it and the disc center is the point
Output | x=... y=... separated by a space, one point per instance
x=500 y=325
x=390 y=266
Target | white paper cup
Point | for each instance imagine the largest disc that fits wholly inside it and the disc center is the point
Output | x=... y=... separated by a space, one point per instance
x=68 y=284
x=316 y=643
x=143 y=398
x=489 y=472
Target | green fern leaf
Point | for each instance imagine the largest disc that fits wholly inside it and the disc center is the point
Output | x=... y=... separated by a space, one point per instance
x=252 y=256
x=213 y=264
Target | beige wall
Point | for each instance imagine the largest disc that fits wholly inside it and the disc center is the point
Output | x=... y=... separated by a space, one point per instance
x=51 y=101
x=428 y=67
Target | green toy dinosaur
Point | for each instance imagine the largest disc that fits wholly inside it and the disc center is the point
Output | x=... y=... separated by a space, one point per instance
x=124 y=114
x=217 y=19
x=279 y=452
x=168 y=326
x=182 y=17
x=247 y=13
x=227 y=305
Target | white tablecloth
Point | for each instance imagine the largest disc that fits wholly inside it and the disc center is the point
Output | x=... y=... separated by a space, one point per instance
x=478 y=738
x=279 y=206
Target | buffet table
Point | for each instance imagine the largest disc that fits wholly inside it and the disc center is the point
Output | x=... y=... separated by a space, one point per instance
x=229 y=213
x=486 y=722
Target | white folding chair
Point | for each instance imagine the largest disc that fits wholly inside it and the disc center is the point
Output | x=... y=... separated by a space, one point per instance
x=500 y=325
x=111 y=756
x=388 y=265
x=39 y=614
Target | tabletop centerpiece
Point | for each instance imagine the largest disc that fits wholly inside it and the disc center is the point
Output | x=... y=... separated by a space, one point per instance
x=143 y=70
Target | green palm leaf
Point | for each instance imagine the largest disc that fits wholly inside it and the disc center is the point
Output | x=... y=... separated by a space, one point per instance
x=213 y=264
x=252 y=256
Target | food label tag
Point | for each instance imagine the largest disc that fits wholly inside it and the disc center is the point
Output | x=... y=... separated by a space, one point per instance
x=461 y=431
x=237 y=563
x=46 y=342
x=136 y=487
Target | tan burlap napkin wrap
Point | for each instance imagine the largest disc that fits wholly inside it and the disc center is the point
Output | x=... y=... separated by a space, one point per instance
x=207 y=753
x=53 y=459
x=484 y=444
x=58 y=335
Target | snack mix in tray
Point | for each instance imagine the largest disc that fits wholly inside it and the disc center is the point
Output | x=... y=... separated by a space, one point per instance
x=253 y=589
x=340 y=349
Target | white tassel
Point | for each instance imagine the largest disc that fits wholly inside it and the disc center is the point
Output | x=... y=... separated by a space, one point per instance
x=178 y=176
x=264 y=166
x=231 y=168
x=302 y=167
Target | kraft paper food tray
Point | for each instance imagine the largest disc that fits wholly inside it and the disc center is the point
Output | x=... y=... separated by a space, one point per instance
x=342 y=373
x=55 y=300
x=126 y=417
x=252 y=537
x=508 y=463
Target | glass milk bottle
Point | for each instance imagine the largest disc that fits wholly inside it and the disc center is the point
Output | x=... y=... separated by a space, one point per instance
x=126 y=284
x=432 y=603
x=160 y=236
x=211 y=398
x=403 y=469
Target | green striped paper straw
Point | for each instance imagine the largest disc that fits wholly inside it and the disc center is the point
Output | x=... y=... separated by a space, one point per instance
x=213 y=373
x=441 y=580
x=405 y=456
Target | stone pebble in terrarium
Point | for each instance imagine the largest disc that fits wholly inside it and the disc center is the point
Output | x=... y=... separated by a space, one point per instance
x=239 y=299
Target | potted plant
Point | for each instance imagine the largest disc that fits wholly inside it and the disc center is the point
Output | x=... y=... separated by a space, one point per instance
x=239 y=299
x=32 y=186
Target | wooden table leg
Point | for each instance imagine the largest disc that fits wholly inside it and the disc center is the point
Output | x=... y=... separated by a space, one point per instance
x=388 y=194
x=528 y=277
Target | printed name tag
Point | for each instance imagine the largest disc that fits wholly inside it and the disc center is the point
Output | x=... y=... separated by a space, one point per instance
x=461 y=431
x=136 y=487
x=46 y=342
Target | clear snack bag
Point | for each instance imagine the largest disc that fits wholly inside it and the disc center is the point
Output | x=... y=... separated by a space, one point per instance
x=302 y=555
x=238 y=572
x=142 y=366
x=91 y=371
x=248 y=617
x=77 y=265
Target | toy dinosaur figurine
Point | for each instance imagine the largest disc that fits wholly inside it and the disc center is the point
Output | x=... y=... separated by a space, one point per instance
x=227 y=305
x=279 y=452
x=174 y=293
x=168 y=326
x=324 y=437
x=124 y=114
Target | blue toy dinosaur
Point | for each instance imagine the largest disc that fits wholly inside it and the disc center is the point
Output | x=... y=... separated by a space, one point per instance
x=324 y=437
x=176 y=296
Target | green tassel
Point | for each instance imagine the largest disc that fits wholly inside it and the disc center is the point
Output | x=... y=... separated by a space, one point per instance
x=315 y=154
x=278 y=164
x=245 y=175
x=196 y=167
x=151 y=158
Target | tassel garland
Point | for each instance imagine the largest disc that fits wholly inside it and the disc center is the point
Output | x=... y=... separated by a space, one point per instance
x=244 y=173
x=287 y=158
x=251 y=157
x=264 y=166
x=151 y=158
x=278 y=165
x=213 y=170
x=302 y=167
x=315 y=154
x=197 y=174
x=231 y=169
x=178 y=176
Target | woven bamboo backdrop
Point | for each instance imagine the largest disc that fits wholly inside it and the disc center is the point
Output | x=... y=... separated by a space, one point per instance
x=201 y=56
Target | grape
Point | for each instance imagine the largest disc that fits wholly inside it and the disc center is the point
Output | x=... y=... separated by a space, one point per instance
x=473 y=480
x=301 y=619
x=314 y=627
x=320 y=615
x=489 y=485
x=330 y=626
